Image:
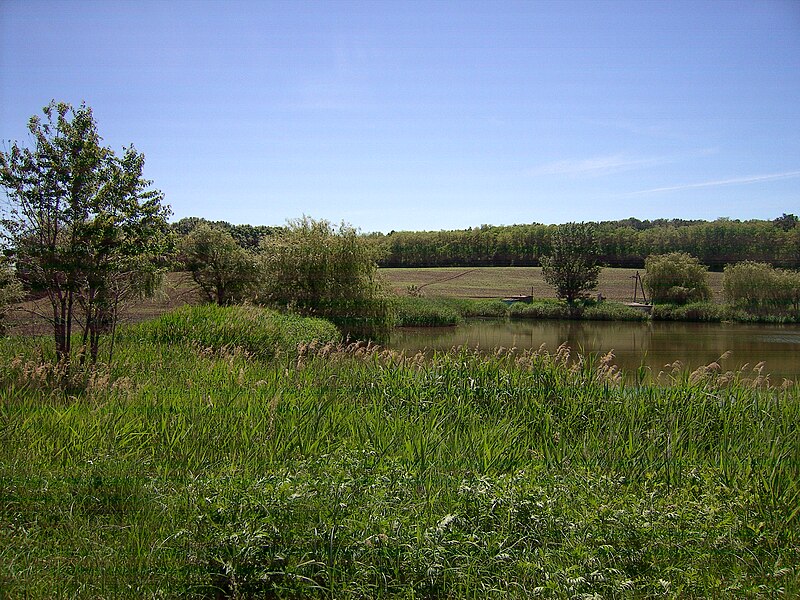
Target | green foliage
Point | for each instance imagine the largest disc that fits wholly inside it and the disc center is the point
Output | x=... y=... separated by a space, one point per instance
x=612 y=311
x=786 y=222
x=10 y=290
x=84 y=226
x=425 y=312
x=571 y=267
x=317 y=269
x=353 y=473
x=762 y=289
x=623 y=243
x=694 y=311
x=590 y=311
x=257 y=331
x=676 y=278
x=225 y=271
x=480 y=308
x=542 y=309
x=246 y=236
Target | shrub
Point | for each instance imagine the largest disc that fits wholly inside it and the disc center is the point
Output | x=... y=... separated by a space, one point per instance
x=760 y=288
x=469 y=308
x=676 y=278
x=320 y=270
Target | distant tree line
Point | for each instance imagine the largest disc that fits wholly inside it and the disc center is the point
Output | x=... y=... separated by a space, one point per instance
x=625 y=243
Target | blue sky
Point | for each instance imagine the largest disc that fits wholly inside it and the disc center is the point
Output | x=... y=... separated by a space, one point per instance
x=429 y=115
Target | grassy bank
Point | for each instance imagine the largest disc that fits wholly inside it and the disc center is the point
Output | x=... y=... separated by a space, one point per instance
x=352 y=473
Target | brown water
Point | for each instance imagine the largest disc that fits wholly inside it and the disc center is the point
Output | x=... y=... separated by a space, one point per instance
x=652 y=344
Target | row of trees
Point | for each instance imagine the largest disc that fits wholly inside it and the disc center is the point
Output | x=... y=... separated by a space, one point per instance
x=620 y=243
x=624 y=243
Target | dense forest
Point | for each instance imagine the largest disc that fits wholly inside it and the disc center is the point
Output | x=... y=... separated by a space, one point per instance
x=624 y=243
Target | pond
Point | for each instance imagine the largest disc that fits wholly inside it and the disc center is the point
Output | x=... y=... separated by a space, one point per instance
x=654 y=344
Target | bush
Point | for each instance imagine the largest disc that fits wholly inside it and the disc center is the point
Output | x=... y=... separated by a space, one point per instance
x=676 y=278
x=589 y=311
x=258 y=331
x=319 y=270
x=760 y=288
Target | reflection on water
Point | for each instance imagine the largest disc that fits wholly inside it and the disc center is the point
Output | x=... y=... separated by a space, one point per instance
x=654 y=344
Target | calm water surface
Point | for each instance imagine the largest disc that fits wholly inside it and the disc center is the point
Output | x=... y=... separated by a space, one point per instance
x=653 y=344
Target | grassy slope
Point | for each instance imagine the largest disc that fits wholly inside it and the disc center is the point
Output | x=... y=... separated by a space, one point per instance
x=187 y=471
x=500 y=282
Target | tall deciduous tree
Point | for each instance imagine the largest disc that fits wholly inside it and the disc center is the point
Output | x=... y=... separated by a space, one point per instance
x=84 y=226
x=571 y=268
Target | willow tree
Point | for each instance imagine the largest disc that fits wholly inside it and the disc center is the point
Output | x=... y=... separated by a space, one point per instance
x=314 y=268
x=83 y=226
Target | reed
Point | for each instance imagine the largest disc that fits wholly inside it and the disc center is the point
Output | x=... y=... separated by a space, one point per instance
x=353 y=471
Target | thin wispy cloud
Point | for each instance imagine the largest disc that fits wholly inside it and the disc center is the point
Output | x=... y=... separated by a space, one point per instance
x=596 y=166
x=720 y=182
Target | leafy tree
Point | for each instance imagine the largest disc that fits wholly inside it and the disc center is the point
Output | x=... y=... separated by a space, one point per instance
x=317 y=269
x=786 y=222
x=224 y=271
x=676 y=278
x=571 y=268
x=84 y=226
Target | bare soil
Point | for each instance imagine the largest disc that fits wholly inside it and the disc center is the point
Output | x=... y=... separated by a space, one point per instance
x=30 y=318
x=502 y=282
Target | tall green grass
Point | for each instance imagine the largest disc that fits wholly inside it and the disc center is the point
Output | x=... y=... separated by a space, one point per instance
x=425 y=312
x=258 y=331
x=422 y=311
x=352 y=472
x=590 y=311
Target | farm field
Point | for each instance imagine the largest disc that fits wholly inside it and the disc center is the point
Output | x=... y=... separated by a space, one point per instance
x=207 y=463
x=481 y=282
x=500 y=282
x=177 y=290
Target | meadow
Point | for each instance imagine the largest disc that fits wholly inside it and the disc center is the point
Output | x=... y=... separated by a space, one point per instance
x=238 y=453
